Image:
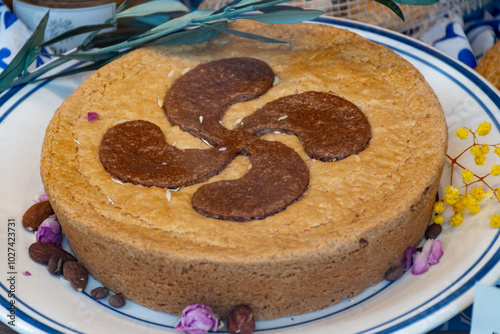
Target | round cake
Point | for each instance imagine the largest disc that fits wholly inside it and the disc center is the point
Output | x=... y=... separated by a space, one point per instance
x=489 y=65
x=283 y=176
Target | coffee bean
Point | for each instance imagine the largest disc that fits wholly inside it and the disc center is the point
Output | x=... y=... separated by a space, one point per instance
x=433 y=231
x=394 y=274
x=116 y=301
x=99 y=293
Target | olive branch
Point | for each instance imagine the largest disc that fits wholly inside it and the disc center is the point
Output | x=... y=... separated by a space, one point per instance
x=157 y=22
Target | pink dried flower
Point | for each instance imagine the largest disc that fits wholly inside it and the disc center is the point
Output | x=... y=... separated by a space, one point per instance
x=27 y=273
x=408 y=257
x=197 y=319
x=50 y=231
x=436 y=252
x=41 y=197
x=92 y=115
x=430 y=254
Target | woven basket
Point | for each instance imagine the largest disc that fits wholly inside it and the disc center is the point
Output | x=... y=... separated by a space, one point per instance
x=417 y=18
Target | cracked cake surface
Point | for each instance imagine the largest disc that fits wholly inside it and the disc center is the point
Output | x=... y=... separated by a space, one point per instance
x=348 y=227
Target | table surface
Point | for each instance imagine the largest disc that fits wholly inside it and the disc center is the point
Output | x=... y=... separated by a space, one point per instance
x=4 y=329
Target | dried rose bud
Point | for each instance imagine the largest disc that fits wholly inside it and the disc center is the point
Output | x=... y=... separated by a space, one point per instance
x=407 y=262
x=41 y=197
x=430 y=255
x=197 y=319
x=241 y=320
x=92 y=115
x=50 y=231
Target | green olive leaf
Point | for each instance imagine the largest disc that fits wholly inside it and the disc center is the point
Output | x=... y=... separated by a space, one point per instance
x=93 y=57
x=156 y=22
x=122 y=7
x=416 y=2
x=113 y=37
x=171 y=26
x=244 y=3
x=84 y=68
x=227 y=7
x=27 y=55
x=153 y=20
x=196 y=35
x=276 y=8
x=249 y=35
x=285 y=16
x=77 y=31
x=174 y=25
x=153 y=7
x=392 y=6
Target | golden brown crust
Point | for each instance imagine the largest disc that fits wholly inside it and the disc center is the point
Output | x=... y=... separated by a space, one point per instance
x=489 y=65
x=355 y=220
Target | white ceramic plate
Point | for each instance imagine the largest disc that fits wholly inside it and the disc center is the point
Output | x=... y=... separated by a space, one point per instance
x=46 y=304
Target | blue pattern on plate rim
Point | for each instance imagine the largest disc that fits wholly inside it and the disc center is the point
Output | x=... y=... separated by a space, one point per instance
x=31 y=320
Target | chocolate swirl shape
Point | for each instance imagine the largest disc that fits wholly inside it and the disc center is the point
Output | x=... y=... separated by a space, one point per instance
x=329 y=127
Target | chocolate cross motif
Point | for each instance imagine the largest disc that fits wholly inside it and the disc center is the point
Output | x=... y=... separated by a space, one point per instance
x=330 y=128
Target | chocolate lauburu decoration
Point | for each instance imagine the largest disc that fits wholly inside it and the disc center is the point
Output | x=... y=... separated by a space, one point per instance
x=329 y=127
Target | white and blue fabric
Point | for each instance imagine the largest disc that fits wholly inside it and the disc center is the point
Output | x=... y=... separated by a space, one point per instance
x=13 y=35
x=483 y=29
x=468 y=37
x=449 y=37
